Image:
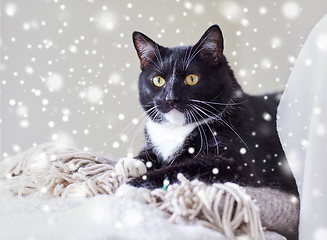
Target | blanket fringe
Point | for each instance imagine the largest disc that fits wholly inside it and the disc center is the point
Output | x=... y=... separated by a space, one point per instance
x=56 y=170
x=223 y=207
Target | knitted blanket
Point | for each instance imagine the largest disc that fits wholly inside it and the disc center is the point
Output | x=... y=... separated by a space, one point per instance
x=59 y=171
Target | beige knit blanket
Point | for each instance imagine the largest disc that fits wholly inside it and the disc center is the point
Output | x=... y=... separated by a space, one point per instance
x=61 y=171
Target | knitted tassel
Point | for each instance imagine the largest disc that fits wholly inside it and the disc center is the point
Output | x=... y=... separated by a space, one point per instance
x=56 y=170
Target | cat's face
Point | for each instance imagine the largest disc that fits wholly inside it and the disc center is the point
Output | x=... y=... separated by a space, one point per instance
x=184 y=84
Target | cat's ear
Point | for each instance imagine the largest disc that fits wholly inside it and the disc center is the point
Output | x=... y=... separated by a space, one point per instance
x=145 y=47
x=211 y=45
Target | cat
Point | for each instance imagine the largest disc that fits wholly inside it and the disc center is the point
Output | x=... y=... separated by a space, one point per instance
x=201 y=123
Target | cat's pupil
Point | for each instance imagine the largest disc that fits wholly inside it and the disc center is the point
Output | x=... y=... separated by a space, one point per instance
x=159 y=80
x=192 y=78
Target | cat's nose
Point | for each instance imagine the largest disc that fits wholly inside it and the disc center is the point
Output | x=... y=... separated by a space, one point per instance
x=171 y=99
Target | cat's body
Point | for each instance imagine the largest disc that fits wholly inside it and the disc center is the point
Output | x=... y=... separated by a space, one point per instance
x=200 y=122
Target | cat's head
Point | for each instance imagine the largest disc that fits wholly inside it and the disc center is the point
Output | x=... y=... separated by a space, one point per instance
x=188 y=84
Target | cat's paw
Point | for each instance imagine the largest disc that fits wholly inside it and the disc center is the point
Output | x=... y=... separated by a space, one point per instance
x=149 y=181
x=130 y=167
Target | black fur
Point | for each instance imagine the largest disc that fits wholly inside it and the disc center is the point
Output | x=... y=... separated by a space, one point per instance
x=249 y=151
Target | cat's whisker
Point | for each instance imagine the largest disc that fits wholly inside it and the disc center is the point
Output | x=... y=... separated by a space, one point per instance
x=129 y=125
x=185 y=59
x=219 y=113
x=206 y=122
x=216 y=96
x=200 y=126
x=158 y=68
x=197 y=125
x=159 y=116
x=209 y=105
x=193 y=56
x=195 y=109
x=186 y=56
x=201 y=136
x=148 y=156
x=217 y=103
x=161 y=62
x=220 y=119
x=150 y=112
x=137 y=132
x=188 y=117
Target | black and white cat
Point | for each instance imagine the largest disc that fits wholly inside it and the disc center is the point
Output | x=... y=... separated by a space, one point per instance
x=201 y=123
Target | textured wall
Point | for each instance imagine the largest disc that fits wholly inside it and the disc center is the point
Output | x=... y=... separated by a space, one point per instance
x=69 y=70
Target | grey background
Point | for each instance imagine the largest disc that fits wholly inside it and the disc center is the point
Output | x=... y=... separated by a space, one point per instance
x=69 y=70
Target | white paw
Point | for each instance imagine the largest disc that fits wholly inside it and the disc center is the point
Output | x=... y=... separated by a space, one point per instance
x=129 y=192
x=130 y=167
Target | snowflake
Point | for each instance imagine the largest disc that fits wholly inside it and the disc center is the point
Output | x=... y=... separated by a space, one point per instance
x=22 y=110
x=321 y=129
x=275 y=42
x=29 y=70
x=54 y=82
x=291 y=10
x=115 y=145
x=12 y=102
x=32 y=25
x=215 y=171
x=121 y=116
x=199 y=9
x=231 y=10
x=16 y=148
x=263 y=10
x=106 y=21
x=266 y=63
x=191 y=150
x=266 y=116
x=11 y=9
x=135 y=121
x=51 y=124
x=45 y=101
x=46 y=208
x=94 y=94
x=322 y=42
x=242 y=150
x=188 y=5
x=308 y=62
x=124 y=138
x=245 y=22
x=73 y=49
x=24 y=123
x=115 y=78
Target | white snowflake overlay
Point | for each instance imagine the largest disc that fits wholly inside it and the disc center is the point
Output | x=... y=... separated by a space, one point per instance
x=69 y=70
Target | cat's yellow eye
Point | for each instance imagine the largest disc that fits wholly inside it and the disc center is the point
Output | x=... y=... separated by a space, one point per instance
x=158 y=81
x=191 y=79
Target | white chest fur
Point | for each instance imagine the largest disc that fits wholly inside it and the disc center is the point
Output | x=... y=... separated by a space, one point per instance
x=168 y=138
